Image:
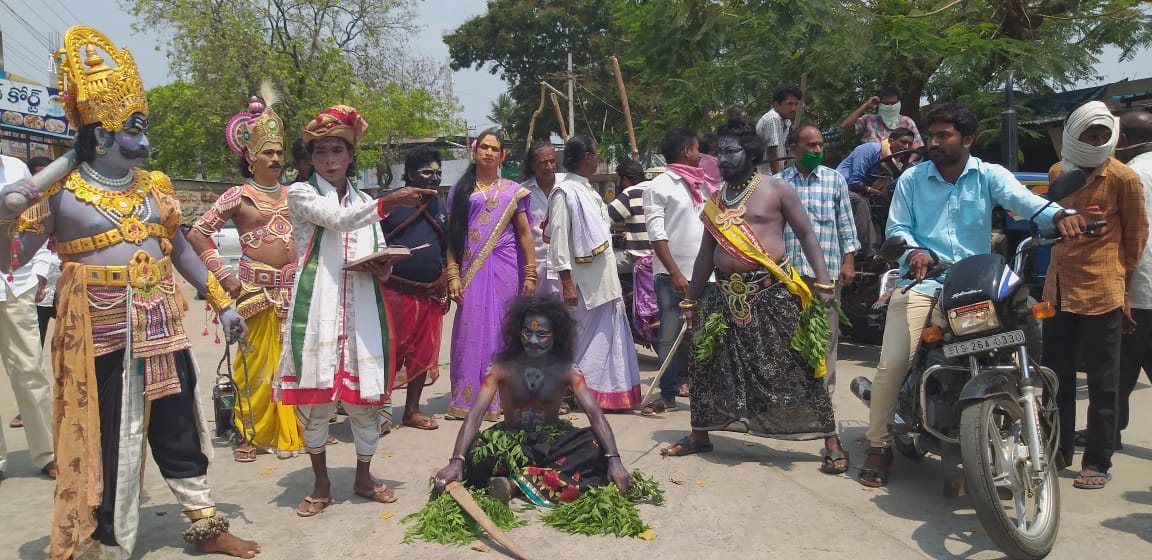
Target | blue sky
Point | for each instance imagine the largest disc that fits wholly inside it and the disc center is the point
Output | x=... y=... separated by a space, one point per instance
x=27 y=55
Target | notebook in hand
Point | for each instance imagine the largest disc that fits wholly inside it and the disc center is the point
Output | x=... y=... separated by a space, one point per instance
x=385 y=256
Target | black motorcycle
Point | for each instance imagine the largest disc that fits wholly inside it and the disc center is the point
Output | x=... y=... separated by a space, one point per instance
x=976 y=391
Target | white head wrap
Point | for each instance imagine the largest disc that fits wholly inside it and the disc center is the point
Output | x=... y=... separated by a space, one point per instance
x=1087 y=156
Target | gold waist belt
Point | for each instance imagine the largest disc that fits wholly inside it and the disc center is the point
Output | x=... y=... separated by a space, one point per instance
x=261 y=274
x=133 y=231
x=143 y=272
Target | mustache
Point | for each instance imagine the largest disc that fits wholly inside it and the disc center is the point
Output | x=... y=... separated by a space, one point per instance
x=275 y=166
x=138 y=153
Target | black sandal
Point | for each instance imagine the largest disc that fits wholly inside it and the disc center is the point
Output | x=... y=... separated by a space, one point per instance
x=876 y=476
x=657 y=406
x=830 y=458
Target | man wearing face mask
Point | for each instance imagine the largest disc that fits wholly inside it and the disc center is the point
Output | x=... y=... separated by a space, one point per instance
x=263 y=284
x=532 y=372
x=1089 y=283
x=877 y=127
x=417 y=293
x=824 y=194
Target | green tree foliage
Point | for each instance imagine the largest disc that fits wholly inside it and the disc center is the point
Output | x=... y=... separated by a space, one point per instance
x=687 y=60
x=315 y=52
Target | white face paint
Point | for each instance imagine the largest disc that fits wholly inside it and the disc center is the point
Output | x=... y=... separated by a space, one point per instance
x=536 y=335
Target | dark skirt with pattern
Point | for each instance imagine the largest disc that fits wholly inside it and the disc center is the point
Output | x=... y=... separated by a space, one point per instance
x=755 y=382
x=556 y=463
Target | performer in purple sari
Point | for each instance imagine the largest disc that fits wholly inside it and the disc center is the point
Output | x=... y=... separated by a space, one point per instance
x=491 y=259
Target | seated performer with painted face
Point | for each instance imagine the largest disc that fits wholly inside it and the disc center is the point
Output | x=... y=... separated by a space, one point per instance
x=532 y=372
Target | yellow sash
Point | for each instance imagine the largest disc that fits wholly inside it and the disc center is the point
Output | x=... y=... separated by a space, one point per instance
x=733 y=234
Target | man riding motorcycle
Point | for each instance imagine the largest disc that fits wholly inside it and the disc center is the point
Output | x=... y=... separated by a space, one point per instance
x=944 y=205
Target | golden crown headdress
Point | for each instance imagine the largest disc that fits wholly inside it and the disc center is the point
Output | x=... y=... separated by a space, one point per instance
x=257 y=127
x=98 y=93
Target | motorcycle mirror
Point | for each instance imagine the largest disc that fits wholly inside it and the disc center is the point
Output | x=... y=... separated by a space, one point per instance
x=1067 y=184
x=893 y=248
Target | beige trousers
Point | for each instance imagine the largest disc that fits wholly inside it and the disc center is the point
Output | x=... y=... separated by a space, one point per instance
x=23 y=361
x=902 y=327
x=364 y=420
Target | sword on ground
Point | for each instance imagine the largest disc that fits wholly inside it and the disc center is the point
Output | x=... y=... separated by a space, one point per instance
x=464 y=498
x=667 y=360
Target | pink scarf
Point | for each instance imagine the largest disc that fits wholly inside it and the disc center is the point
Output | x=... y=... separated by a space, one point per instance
x=694 y=177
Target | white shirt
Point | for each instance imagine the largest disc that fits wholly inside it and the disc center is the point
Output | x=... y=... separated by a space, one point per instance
x=23 y=278
x=539 y=207
x=47 y=264
x=596 y=281
x=773 y=129
x=673 y=216
x=1140 y=291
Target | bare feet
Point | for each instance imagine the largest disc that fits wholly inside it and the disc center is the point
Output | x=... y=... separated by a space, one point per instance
x=229 y=544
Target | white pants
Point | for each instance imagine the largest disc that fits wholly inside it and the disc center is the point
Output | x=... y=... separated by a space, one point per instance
x=23 y=359
x=365 y=422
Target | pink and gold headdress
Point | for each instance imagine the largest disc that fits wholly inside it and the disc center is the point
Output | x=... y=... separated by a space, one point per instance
x=258 y=126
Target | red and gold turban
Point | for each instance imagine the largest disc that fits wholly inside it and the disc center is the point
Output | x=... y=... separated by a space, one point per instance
x=340 y=121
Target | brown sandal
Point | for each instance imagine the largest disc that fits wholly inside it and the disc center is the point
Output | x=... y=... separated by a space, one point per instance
x=421 y=421
x=311 y=507
x=831 y=457
x=242 y=455
x=380 y=494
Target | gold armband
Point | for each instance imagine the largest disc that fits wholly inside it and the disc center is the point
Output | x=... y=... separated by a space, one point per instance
x=216 y=295
x=828 y=287
x=687 y=304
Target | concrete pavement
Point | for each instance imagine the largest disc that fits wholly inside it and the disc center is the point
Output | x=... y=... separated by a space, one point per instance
x=752 y=497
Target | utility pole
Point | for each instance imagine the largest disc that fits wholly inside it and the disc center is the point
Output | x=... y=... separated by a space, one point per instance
x=1 y=51
x=571 y=103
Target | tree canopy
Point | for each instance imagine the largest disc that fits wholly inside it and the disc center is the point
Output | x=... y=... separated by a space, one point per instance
x=315 y=52
x=687 y=60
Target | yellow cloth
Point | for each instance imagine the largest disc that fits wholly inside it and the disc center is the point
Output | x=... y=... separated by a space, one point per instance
x=736 y=237
x=274 y=423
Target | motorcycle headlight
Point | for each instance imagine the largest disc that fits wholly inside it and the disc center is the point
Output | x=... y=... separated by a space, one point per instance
x=975 y=318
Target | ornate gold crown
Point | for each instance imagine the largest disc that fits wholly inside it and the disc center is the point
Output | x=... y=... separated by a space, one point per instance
x=259 y=126
x=98 y=94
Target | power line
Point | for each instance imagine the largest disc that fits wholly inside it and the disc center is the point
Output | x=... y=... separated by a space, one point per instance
x=69 y=12
x=17 y=48
x=31 y=28
x=36 y=13
x=57 y=14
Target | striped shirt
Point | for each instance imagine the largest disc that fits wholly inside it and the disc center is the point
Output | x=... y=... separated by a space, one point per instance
x=628 y=209
x=824 y=194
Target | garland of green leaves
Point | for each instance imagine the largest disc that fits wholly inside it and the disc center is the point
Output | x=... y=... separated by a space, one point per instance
x=443 y=521
x=708 y=337
x=811 y=337
x=507 y=445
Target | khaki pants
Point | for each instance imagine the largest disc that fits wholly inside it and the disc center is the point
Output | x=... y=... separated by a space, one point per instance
x=23 y=361
x=902 y=327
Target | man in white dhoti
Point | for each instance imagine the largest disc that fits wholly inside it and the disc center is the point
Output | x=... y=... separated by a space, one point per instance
x=580 y=251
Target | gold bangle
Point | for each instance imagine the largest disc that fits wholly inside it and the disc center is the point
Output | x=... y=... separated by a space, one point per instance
x=820 y=286
x=688 y=304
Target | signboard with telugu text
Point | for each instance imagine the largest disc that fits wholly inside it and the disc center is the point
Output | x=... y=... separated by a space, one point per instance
x=33 y=109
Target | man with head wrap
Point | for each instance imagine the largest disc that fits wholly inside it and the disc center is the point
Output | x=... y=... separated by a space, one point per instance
x=1088 y=283
x=338 y=344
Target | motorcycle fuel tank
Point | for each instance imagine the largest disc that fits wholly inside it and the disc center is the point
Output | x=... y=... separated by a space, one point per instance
x=977 y=278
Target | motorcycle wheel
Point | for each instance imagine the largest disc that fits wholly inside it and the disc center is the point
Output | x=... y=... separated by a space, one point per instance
x=995 y=457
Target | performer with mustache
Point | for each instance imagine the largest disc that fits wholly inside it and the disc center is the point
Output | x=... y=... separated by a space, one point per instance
x=263 y=285
x=124 y=370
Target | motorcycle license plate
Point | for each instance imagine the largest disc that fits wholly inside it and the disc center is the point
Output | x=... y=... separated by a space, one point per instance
x=999 y=340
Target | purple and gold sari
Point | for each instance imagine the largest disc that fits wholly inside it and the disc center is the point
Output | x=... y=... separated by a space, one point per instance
x=491 y=273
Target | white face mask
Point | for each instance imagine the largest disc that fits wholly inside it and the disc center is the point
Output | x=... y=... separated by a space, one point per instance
x=890 y=114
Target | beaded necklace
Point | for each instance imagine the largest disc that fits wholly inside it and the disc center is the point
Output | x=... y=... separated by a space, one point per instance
x=742 y=192
x=104 y=180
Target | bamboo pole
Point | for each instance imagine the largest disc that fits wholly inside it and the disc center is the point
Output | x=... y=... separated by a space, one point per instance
x=560 y=117
x=627 y=109
x=535 y=115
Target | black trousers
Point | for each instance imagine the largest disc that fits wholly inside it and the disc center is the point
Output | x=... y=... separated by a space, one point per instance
x=1135 y=353
x=43 y=315
x=172 y=433
x=1098 y=337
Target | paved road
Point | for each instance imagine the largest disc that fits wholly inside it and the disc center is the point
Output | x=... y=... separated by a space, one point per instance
x=750 y=498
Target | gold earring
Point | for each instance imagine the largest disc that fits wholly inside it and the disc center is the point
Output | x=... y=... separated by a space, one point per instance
x=251 y=169
x=100 y=149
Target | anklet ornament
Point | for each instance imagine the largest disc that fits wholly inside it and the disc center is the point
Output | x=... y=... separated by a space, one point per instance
x=204 y=530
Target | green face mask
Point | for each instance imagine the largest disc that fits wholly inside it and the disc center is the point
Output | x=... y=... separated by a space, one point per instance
x=812 y=160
